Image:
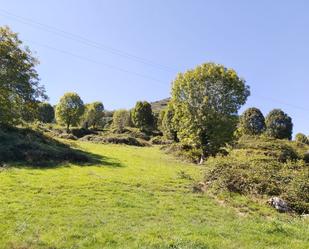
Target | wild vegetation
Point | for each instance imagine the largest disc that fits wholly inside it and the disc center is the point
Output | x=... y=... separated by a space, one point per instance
x=63 y=160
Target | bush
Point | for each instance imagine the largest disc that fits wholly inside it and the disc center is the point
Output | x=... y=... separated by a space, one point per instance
x=159 y=140
x=115 y=139
x=260 y=168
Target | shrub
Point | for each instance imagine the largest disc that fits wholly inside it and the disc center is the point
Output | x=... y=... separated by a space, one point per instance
x=115 y=139
x=262 y=167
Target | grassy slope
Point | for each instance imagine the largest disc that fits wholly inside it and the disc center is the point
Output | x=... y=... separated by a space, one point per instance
x=138 y=199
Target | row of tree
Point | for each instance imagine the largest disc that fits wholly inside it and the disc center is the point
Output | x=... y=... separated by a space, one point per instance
x=202 y=111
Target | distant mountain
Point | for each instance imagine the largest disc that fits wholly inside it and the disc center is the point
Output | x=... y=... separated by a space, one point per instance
x=157 y=106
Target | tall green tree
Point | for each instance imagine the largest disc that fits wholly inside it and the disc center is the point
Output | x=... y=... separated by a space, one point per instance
x=46 y=112
x=252 y=122
x=121 y=119
x=279 y=124
x=70 y=109
x=166 y=124
x=205 y=101
x=94 y=112
x=20 y=89
x=142 y=116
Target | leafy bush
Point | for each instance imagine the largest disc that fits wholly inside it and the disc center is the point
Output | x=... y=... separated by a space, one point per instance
x=160 y=140
x=252 y=168
x=115 y=139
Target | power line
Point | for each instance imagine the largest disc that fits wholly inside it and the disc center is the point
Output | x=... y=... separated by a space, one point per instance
x=282 y=102
x=111 y=50
x=98 y=62
x=85 y=41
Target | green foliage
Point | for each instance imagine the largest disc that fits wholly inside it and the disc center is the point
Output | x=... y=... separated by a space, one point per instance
x=263 y=166
x=279 y=125
x=167 y=126
x=19 y=81
x=46 y=112
x=93 y=115
x=142 y=116
x=206 y=101
x=252 y=122
x=69 y=109
x=121 y=119
x=301 y=138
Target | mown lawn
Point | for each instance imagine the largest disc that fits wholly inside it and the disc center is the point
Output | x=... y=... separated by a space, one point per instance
x=137 y=198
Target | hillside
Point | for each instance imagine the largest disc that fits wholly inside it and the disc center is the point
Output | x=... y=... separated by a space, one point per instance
x=157 y=106
x=137 y=197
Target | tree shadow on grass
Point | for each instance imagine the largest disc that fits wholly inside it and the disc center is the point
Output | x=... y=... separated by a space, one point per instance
x=33 y=149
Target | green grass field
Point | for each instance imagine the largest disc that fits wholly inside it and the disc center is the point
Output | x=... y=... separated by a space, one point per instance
x=137 y=198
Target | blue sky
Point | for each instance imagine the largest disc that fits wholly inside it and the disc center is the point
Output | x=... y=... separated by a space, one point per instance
x=122 y=51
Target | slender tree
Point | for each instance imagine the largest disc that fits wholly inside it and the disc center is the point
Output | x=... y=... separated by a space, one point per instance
x=142 y=116
x=121 y=119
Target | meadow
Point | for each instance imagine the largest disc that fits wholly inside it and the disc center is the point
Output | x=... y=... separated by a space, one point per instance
x=136 y=197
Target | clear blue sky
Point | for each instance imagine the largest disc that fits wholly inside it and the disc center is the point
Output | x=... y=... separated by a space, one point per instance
x=119 y=47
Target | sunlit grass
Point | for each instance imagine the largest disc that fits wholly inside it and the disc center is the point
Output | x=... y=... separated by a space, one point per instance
x=137 y=198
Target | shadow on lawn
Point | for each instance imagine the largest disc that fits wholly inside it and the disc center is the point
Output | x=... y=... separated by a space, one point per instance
x=33 y=149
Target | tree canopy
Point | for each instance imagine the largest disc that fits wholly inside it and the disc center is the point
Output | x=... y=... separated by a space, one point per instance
x=70 y=109
x=206 y=100
x=94 y=112
x=19 y=81
x=121 y=119
x=252 y=122
x=46 y=112
x=279 y=124
x=142 y=116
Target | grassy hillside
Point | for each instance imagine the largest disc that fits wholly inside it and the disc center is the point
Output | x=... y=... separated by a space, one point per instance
x=157 y=106
x=137 y=197
x=34 y=147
